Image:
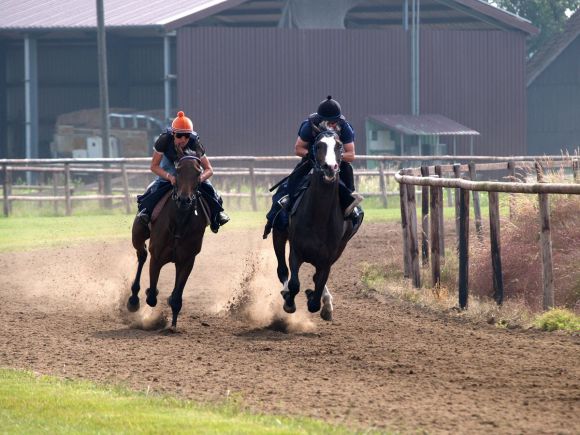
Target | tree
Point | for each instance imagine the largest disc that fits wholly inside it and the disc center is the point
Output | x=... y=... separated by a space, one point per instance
x=548 y=15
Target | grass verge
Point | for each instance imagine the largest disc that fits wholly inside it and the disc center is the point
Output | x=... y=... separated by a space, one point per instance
x=31 y=403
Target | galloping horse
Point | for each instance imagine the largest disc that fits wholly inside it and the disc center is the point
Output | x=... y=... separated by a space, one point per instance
x=176 y=236
x=318 y=232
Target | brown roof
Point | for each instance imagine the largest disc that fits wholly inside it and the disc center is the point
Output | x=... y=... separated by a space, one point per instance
x=553 y=48
x=424 y=125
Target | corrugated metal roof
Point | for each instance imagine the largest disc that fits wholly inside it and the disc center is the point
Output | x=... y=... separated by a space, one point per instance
x=78 y=14
x=553 y=48
x=425 y=125
x=50 y=14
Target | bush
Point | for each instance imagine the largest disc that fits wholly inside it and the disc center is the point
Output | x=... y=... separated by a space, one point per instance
x=558 y=319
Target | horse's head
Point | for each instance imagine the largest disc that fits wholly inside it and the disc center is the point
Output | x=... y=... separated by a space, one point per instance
x=327 y=150
x=186 y=182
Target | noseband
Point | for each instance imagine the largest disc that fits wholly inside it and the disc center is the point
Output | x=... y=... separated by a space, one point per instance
x=190 y=201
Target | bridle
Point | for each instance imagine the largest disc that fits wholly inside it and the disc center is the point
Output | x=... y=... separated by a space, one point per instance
x=185 y=204
x=325 y=133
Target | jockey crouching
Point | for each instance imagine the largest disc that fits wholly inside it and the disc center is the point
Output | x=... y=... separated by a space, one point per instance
x=172 y=145
x=327 y=117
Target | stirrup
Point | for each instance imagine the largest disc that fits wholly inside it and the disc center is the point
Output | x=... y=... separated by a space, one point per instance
x=358 y=198
x=284 y=202
x=222 y=218
x=143 y=217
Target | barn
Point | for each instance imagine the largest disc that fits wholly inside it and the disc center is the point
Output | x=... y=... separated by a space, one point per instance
x=553 y=85
x=249 y=71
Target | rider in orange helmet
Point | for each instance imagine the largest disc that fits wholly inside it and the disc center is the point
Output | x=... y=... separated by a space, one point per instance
x=179 y=141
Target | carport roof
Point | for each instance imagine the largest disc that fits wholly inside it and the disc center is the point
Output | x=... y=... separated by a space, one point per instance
x=423 y=125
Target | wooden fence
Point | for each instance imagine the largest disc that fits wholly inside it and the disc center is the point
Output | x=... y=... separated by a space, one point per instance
x=432 y=180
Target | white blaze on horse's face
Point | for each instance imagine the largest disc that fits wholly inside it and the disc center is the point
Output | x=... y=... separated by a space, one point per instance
x=330 y=158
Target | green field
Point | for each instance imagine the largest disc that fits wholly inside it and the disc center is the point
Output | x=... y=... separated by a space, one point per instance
x=31 y=403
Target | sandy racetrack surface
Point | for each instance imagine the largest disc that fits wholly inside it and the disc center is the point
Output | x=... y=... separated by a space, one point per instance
x=380 y=363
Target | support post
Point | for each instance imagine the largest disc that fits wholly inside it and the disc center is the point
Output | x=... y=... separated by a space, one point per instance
x=545 y=243
x=404 y=223
x=383 y=184
x=425 y=218
x=55 y=190
x=435 y=197
x=494 y=236
x=476 y=206
x=463 y=248
x=253 y=187
x=439 y=172
x=457 y=174
x=67 y=189
x=6 y=187
x=126 y=188
x=413 y=240
x=512 y=178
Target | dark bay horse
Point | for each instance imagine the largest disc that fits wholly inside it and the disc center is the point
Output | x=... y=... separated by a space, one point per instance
x=176 y=237
x=318 y=232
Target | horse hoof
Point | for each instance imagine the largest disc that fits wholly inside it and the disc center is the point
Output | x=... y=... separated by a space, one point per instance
x=151 y=297
x=290 y=308
x=133 y=304
x=326 y=314
x=313 y=306
x=169 y=330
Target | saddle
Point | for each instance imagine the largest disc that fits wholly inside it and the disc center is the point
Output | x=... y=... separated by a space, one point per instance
x=159 y=206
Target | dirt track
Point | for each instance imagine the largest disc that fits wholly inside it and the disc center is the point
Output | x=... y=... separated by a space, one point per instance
x=381 y=363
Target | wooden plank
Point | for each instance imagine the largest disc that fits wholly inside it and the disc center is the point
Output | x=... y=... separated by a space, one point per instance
x=434 y=193
x=439 y=172
x=413 y=240
x=425 y=219
x=404 y=223
x=464 y=248
x=55 y=176
x=545 y=243
x=476 y=206
x=494 y=235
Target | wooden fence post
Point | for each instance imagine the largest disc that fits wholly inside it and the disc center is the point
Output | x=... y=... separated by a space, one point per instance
x=545 y=243
x=101 y=189
x=383 y=184
x=435 y=197
x=494 y=235
x=67 y=189
x=6 y=187
x=240 y=178
x=439 y=172
x=512 y=178
x=425 y=218
x=413 y=240
x=457 y=174
x=463 y=248
x=476 y=206
x=55 y=190
x=575 y=170
x=126 y=188
x=253 y=187
x=404 y=223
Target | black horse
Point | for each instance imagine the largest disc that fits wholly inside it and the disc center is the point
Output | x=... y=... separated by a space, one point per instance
x=176 y=236
x=318 y=232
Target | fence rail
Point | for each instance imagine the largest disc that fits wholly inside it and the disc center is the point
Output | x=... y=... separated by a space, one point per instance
x=431 y=179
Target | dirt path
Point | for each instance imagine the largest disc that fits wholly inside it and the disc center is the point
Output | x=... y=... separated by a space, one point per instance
x=379 y=364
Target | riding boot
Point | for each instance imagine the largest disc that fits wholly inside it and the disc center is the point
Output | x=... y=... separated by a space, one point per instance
x=357 y=199
x=144 y=217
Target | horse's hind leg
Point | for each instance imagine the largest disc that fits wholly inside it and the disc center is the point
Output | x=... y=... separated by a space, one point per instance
x=175 y=301
x=152 y=292
x=327 y=308
x=139 y=234
x=293 y=284
x=279 y=239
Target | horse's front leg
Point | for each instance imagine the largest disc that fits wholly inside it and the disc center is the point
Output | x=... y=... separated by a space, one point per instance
x=293 y=284
x=152 y=292
x=175 y=300
x=320 y=278
x=139 y=235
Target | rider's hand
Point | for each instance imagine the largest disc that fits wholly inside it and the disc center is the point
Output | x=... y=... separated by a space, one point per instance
x=172 y=179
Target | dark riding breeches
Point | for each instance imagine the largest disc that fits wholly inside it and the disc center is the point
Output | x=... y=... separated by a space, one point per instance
x=214 y=201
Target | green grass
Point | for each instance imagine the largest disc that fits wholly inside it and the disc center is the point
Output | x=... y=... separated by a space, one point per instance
x=35 y=404
x=558 y=319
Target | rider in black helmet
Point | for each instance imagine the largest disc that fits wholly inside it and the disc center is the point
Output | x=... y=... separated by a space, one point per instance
x=327 y=117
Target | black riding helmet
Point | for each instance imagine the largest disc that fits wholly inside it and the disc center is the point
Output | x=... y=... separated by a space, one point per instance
x=329 y=109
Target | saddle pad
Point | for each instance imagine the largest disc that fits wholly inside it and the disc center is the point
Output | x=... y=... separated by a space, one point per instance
x=159 y=206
